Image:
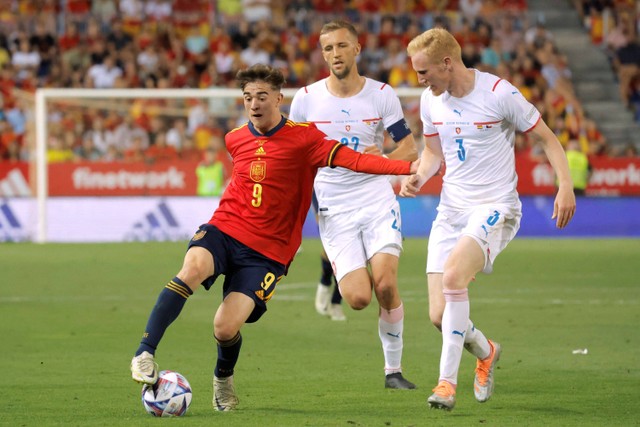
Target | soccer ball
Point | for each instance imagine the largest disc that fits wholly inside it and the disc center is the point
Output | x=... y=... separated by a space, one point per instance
x=169 y=397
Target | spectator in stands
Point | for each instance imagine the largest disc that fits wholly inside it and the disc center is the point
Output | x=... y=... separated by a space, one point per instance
x=226 y=61
x=396 y=56
x=103 y=75
x=634 y=96
x=117 y=39
x=86 y=151
x=57 y=150
x=188 y=151
x=158 y=11
x=25 y=58
x=157 y=128
x=630 y=150
x=256 y=10
x=595 y=140
x=45 y=45
x=627 y=62
x=490 y=56
x=240 y=38
x=127 y=131
x=135 y=153
x=5 y=56
x=109 y=28
x=72 y=48
x=508 y=35
x=177 y=134
x=106 y=12
x=160 y=151
x=537 y=35
x=98 y=134
x=148 y=59
x=470 y=10
x=16 y=153
x=113 y=154
x=372 y=57
x=7 y=137
x=254 y=54
x=15 y=115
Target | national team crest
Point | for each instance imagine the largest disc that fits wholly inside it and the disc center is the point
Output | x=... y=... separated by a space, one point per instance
x=258 y=170
x=348 y=127
x=458 y=130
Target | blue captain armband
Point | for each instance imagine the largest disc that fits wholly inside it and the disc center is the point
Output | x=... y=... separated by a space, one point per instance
x=399 y=130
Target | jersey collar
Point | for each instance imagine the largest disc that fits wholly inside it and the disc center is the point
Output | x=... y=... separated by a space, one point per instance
x=272 y=131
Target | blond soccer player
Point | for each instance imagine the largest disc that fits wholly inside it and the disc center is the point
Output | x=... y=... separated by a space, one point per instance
x=470 y=119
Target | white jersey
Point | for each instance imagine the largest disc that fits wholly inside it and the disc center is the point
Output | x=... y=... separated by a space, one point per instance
x=358 y=122
x=477 y=133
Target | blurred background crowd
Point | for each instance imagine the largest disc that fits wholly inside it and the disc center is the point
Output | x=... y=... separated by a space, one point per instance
x=202 y=43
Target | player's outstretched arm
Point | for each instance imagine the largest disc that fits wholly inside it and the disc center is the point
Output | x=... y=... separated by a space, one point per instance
x=429 y=164
x=367 y=163
x=564 y=206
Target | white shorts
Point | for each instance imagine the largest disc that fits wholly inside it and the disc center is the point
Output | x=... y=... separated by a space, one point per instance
x=492 y=226
x=352 y=238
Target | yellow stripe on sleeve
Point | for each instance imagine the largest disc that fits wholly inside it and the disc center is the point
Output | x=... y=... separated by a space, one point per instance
x=332 y=154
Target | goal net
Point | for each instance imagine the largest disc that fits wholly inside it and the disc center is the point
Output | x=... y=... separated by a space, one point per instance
x=92 y=178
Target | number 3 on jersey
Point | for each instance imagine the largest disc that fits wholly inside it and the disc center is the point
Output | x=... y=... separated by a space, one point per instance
x=257 y=196
x=462 y=154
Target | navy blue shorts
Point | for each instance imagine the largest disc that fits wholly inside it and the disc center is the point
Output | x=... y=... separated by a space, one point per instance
x=245 y=270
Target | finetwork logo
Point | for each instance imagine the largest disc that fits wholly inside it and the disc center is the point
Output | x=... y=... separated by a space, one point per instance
x=14 y=185
x=159 y=224
x=11 y=230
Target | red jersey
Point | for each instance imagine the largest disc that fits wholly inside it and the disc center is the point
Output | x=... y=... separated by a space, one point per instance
x=269 y=194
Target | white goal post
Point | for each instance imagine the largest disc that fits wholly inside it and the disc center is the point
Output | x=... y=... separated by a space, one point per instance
x=45 y=96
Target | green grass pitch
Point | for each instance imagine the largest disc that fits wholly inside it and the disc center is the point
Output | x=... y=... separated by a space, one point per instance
x=72 y=316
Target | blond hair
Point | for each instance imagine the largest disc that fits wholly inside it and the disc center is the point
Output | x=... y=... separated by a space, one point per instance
x=436 y=44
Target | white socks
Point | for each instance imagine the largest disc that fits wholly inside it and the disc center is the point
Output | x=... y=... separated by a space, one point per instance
x=476 y=343
x=390 y=326
x=455 y=321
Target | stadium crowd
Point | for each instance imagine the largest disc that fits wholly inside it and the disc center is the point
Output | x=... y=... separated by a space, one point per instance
x=201 y=44
x=614 y=25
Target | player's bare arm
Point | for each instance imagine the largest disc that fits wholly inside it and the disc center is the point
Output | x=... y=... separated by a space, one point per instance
x=429 y=164
x=564 y=206
x=407 y=149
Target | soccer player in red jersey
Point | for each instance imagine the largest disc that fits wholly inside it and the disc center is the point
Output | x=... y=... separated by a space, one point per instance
x=256 y=230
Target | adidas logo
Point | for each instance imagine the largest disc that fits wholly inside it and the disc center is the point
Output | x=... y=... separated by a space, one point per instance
x=11 y=230
x=260 y=151
x=157 y=225
x=14 y=185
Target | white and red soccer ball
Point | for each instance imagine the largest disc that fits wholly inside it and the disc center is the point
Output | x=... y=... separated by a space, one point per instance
x=169 y=397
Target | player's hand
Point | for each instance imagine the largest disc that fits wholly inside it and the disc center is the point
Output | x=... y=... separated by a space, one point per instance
x=410 y=185
x=564 y=207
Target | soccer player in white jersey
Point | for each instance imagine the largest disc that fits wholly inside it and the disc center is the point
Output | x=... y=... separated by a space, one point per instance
x=469 y=121
x=358 y=214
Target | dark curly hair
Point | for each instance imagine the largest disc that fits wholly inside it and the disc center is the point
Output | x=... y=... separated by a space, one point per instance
x=260 y=72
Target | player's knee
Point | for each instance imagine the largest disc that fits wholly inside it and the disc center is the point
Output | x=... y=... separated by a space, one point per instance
x=358 y=302
x=223 y=332
x=453 y=279
x=386 y=291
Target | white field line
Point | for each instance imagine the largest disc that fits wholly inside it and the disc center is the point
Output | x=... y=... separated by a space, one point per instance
x=300 y=291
